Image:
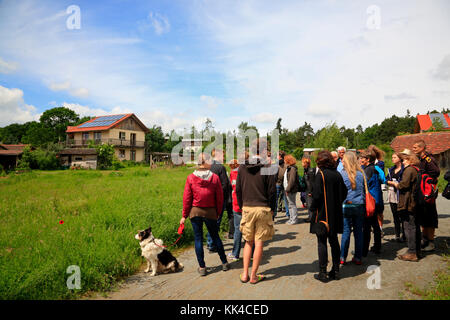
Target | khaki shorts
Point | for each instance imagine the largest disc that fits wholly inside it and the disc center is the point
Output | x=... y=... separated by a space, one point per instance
x=257 y=224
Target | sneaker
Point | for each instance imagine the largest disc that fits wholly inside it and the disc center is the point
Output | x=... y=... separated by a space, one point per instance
x=356 y=261
x=429 y=247
x=424 y=243
x=202 y=271
x=231 y=257
x=342 y=262
x=212 y=250
x=225 y=266
x=321 y=276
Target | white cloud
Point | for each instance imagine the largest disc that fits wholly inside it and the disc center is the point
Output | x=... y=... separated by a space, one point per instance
x=67 y=86
x=13 y=108
x=7 y=67
x=159 y=23
x=443 y=70
x=210 y=102
x=84 y=111
x=264 y=117
x=80 y=92
x=61 y=86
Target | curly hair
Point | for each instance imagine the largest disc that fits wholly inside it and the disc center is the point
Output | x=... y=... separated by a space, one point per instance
x=325 y=160
x=289 y=160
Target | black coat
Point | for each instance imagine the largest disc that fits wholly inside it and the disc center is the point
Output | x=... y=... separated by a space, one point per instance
x=219 y=169
x=308 y=178
x=336 y=194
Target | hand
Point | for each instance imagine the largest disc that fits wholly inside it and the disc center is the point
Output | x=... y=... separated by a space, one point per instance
x=182 y=220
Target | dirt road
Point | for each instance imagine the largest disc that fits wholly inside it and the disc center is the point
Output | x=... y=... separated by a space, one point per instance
x=289 y=263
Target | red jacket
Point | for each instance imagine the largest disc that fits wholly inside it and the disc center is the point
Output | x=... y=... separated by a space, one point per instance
x=204 y=193
x=233 y=178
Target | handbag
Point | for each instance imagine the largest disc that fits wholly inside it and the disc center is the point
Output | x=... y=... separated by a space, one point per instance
x=370 y=201
x=321 y=228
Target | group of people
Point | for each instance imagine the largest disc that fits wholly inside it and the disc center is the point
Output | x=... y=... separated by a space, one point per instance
x=334 y=194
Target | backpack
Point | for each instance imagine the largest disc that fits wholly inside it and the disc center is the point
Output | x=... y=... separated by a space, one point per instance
x=426 y=189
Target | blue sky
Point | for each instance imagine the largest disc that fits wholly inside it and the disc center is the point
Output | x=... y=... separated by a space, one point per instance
x=175 y=63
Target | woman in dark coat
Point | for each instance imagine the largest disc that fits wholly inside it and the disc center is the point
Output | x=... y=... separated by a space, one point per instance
x=336 y=192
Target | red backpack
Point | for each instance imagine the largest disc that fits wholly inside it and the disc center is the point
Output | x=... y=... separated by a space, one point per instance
x=426 y=189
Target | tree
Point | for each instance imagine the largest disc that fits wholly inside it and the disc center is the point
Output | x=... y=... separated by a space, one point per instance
x=155 y=139
x=58 y=119
x=105 y=156
x=329 y=137
x=38 y=135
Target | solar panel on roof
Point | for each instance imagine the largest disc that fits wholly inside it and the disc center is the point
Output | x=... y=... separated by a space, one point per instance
x=102 y=121
x=439 y=116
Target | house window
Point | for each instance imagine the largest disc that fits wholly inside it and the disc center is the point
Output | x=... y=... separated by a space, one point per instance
x=133 y=155
x=121 y=153
x=78 y=158
x=122 y=135
x=97 y=135
x=85 y=135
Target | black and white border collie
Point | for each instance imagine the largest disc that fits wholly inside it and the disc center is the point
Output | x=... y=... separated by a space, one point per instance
x=158 y=258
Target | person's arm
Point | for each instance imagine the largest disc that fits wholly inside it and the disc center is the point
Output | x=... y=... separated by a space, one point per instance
x=290 y=175
x=343 y=191
x=219 y=197
x=406 y=179
x=317 y=191
x=432 y=168
x=187 y=199
x=272 y=192
x=239 y=188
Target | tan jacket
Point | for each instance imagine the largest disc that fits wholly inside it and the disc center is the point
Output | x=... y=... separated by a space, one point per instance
x=405 y=187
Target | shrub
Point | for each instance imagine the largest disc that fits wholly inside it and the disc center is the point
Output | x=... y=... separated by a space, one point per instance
x=105 y=156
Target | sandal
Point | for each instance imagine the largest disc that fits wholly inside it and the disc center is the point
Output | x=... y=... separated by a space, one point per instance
x=240 y=277
x=260 y=278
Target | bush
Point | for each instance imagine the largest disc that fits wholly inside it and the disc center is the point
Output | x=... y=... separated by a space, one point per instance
x=117 y=164
x=105 y=156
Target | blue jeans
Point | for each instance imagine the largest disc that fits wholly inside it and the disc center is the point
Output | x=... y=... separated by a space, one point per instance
x=280 y=192
x=211 y=225
x=237 y=234
x=353 y=217
x=209 y=241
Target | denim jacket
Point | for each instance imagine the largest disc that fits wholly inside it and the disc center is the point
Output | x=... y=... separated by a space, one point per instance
x=356 y=196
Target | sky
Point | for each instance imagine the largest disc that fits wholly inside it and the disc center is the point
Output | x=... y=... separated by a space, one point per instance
x=175 y=63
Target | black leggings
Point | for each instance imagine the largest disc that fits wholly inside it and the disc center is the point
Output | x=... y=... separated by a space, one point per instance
x=323 y=252
x=398 y=223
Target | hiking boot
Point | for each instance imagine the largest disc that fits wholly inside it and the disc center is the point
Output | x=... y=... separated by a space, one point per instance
x=212 y=250
x=408 y=257
x=424 y=243
x=429 y=247
x=225 y=266
x=375 y=250
x=356 y=261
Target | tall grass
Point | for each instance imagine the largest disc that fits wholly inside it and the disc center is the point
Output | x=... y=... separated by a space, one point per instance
x=51 y=220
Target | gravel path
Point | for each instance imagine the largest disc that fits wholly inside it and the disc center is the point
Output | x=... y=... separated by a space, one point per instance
x=289 y=263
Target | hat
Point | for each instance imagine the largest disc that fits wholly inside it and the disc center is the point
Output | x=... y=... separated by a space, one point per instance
x=407 y=152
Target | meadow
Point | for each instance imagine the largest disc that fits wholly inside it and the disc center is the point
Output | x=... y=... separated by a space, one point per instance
x=50 y=220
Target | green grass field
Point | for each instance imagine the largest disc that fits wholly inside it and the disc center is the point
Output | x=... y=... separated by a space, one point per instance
x=101 y=212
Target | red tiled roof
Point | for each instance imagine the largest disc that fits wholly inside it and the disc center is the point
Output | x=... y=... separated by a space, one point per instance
x=437 y=142
x=13 y=146
x=10 y=152
x=77 y=128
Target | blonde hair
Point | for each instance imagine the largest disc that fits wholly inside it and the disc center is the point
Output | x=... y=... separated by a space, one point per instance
x=413 y=160
x=351 y=166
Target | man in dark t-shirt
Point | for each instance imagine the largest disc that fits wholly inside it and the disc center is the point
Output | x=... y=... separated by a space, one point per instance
x=427 y=213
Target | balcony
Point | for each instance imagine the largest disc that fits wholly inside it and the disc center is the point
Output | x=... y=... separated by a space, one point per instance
x=72 y=143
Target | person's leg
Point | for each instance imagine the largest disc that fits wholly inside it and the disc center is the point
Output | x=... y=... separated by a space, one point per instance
x=286 y=204
x=248 y=248
x=230 y=220
x=209 y=240
x=358 y=233
x=322 y=252
x=257 y=256
x=335 y=252
x=376 y=230
x=292 y=207
x=237 y=235
x=397 y=222
x=279 y=203
x=411 y=232
x=211 y=225
x=345 y=241
x=366 y=236
x=197 y=226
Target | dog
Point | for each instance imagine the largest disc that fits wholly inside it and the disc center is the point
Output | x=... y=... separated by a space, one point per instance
x=158 y=258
